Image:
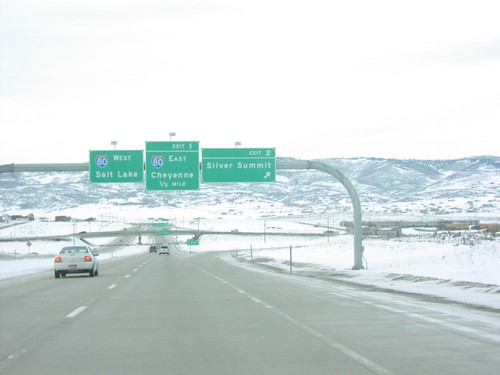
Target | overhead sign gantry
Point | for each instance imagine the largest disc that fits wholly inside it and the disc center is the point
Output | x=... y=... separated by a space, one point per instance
x=280 y=164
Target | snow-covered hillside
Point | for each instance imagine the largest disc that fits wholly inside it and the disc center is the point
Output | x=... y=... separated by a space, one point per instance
x=468 y=186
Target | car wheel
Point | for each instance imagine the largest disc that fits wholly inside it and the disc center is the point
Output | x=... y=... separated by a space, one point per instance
x=57 y=274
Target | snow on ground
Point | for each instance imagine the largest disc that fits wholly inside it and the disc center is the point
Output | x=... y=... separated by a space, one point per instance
x=460 y=272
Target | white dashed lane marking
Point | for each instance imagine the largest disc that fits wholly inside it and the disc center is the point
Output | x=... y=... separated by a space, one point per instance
x=76 y=312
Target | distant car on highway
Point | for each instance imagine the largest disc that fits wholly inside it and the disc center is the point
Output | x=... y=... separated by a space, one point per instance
x=76 y=259
x=153 y=249
x=164 y=250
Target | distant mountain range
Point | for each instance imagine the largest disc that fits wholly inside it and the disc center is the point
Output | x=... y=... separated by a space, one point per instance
x=469 y=185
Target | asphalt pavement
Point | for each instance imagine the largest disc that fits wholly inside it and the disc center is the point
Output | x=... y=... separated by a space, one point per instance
x=190 y=313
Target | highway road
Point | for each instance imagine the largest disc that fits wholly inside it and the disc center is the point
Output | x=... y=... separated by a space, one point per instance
x=197 y=313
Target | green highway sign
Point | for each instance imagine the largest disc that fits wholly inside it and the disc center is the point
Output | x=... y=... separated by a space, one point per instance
x=192 y=242
x=238 y=164
x=116 y=166
x=172 y=165
x=160 y=224
x=162 y=232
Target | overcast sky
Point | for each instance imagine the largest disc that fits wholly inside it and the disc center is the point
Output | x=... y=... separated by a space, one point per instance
x=314 y=79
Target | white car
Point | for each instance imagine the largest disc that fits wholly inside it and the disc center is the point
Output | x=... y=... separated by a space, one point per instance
x=76 y=259
x=164 y=250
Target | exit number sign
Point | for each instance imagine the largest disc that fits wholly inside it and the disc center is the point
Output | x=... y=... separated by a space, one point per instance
x=172 y=166
x=238 y=165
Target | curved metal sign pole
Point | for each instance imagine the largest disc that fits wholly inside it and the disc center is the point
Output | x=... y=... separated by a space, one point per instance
x=358 y=234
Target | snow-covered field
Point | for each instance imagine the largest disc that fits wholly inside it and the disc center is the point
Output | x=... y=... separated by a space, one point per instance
x=465 y=273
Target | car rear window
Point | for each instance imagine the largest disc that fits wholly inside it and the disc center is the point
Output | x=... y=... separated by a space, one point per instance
x=74 y=250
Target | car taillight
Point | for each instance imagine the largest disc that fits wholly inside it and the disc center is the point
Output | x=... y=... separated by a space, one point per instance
x=87 y=258
x=58 y=260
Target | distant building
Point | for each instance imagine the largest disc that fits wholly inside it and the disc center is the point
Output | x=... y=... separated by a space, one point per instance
x=16 y=217
x=491 y=228
x=63 y=218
